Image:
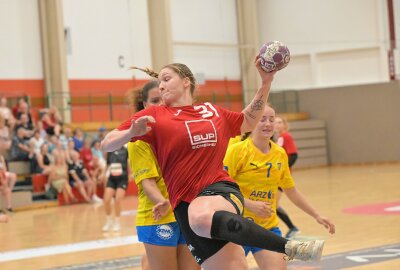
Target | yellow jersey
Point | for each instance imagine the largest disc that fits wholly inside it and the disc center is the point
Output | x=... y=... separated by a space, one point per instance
x=259 y=175
x=144 y=165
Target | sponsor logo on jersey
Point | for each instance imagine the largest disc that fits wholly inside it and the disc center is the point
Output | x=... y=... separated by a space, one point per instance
x=165 y=231
x=140 y=172
x=202 y=133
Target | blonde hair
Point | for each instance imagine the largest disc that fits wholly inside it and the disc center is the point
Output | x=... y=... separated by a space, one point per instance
x=181 y=69
x=285 y=121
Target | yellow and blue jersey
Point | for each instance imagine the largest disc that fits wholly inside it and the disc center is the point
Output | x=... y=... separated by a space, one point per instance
x=144 y=165
x=259 y=175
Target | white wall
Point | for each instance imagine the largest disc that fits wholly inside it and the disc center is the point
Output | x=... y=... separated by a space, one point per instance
x=205 y=37
x=344 y=40
x=20 y=45
x=396 y=7
x=101 y=31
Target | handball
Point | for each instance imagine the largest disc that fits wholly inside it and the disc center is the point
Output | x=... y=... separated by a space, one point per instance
x=274 y=55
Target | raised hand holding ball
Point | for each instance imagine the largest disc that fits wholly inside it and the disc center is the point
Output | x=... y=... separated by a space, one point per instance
x=274 y=55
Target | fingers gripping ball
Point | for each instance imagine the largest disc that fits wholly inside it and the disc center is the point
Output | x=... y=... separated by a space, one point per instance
x=274 y=55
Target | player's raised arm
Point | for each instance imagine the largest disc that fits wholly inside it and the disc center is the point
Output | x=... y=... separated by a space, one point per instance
x=117 y=138
x=252 y=113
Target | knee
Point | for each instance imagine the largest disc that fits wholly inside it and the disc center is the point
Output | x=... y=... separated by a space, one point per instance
x=200 y=221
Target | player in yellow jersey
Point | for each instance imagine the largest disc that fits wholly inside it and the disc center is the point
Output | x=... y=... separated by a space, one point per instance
x=260 y=166
x=157 y=229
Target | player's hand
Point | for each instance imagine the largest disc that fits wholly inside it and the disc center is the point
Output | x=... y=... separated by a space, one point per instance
x=266 y=77
x=326 y=223
x=160 y=210
x=139 y=126
x=261 y=209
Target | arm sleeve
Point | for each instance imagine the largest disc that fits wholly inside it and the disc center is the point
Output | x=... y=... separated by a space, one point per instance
x=142 y=161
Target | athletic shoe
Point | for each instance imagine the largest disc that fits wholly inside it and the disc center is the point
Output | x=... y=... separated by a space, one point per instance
x=304 y=251
x=96 y=199
x=116 y=227
x=292 y=233
x=108 y=226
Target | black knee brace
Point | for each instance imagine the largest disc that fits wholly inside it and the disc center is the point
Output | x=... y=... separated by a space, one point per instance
x=239 y=230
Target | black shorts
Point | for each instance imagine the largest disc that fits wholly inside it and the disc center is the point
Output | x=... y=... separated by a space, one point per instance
x=203 y=248
x=115 y=182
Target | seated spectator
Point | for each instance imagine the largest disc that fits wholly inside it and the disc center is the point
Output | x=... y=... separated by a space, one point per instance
x=78 y=139
x=58 y=177
x=23 y=108
x=80 y=178
x=66 y=134
x=6 y=113
x=69 y=150
x=19 y=148
x=15 y=109
x=5 y=137
x=96 y=151
x=43 y=133
x=101 y=134
x=51 y=121
x=41 y=162
x=5 y=191
x=8 y=180
x=24 y=123
x=36 y=140
x=86 y=155
x=98 y=172
x=53 y=141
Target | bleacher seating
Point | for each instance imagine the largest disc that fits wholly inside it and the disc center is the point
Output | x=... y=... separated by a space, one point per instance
x=311 y=142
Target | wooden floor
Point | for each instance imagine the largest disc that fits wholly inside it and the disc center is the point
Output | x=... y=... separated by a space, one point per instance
x=329 y=189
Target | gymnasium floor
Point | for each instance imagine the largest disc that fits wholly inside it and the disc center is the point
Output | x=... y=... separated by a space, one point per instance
x=363 y=201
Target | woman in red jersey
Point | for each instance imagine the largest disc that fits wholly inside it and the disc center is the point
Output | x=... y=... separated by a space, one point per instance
x=285 y=139
x=190 y=142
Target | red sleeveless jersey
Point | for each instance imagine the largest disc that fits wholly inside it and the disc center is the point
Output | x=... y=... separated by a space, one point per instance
x=190 y=144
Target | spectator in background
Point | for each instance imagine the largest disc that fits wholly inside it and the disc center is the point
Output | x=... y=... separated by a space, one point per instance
x=51 y=121
x=19 y=148
x=80 y=178
x=78 y=139
x=41 y=161
x=66 y=134
x=58 y=177
x=53 y=141
x=6 y=113
x=24 y=123
x=15 y=109
x=36 y=140
x=5 y=192
x=5 y=137
x=96 y=151
x=43 y=133
x=101 y=134
x=86 y=155
x=24 y=109
x=8 y=180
